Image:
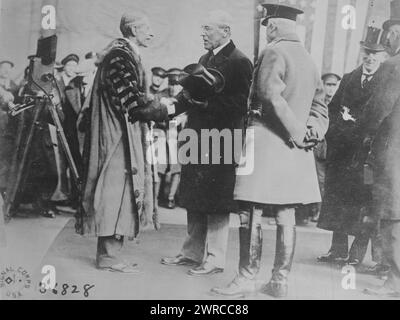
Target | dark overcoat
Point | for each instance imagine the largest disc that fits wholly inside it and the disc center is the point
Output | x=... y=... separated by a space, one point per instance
x=385 y=151
x=208 y=188
x=347 y=197
x=72 y=99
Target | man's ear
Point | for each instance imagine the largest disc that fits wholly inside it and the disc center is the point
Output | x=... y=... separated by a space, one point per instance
x=133 y=30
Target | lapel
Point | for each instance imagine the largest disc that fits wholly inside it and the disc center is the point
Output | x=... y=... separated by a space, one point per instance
x=222 y=56
x=356 y=79
x=375 y=79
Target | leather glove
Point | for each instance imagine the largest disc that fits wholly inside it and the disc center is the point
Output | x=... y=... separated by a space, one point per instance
x=152 y=112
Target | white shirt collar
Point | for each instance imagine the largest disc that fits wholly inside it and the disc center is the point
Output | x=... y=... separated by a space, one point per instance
x=217 y=50
x=371 y=73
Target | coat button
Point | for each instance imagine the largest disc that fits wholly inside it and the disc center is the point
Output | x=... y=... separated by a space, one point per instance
x=134 y=171
x=137 y=194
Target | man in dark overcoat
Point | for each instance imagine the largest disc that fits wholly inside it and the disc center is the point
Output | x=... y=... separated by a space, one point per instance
x=288 y=116
x=385 y=154
x=72 y=98
x=347 y=202
x=207 y=189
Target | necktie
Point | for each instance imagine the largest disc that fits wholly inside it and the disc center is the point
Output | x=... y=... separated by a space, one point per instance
x=367 y=78
x=210 y=58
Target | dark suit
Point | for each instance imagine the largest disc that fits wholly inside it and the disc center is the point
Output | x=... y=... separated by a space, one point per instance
x=384 y=158
x=207 y=189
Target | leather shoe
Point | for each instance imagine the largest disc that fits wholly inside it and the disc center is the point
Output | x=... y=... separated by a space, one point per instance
x=352 y=262
x=179 y=261
x=276 y=289
x=331 y=258
x=204 y=270
x=378 y=270
x=240 y=287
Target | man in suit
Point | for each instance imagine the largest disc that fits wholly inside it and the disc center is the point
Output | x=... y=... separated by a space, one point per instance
x=347 y=203
x=288 y=117
x=383 y=127
x=117 y=172
x=207 y=189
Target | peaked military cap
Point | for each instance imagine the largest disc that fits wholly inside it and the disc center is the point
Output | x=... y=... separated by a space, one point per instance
x=280 y=11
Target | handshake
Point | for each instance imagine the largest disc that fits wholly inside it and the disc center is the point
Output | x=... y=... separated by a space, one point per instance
x=155 y=109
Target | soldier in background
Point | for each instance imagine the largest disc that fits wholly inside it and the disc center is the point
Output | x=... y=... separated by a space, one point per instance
x=157 y=80
x=330 y=82
x=169 y=169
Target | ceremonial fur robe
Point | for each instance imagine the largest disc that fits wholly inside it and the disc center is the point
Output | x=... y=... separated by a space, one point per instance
x=118 y=180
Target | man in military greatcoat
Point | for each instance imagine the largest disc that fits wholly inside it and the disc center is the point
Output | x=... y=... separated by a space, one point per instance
x=288 y=118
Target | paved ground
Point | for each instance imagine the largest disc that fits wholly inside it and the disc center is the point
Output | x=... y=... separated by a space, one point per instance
x=73 y=258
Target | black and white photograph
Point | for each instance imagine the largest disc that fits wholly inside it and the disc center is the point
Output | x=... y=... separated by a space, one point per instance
x=199 y=155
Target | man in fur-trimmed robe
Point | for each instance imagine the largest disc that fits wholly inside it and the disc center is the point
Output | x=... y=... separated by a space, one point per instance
x=117 y=174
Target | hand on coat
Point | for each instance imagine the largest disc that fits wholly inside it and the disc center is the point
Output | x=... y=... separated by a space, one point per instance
x=305 y=145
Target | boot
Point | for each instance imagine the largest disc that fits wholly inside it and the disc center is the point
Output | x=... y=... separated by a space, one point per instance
x=285 y=245
x=249 y=263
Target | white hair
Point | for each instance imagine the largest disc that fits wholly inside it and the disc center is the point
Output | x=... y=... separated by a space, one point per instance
x=129 y=20
x=284 y=26
x=220 y=18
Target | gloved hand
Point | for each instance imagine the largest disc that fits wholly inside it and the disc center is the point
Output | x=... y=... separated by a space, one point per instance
x=154 y=111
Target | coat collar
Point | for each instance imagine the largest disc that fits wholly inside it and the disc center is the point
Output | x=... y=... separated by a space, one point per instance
x=287 y=37
x=220 y=57
x=227 y=50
